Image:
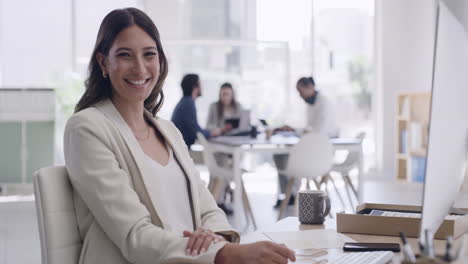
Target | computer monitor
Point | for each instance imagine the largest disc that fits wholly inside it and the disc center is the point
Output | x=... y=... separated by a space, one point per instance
x=448 y=128
x=244 y=123
x=233 y=121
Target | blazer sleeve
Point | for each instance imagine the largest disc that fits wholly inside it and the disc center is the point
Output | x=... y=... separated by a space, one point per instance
x=106 y=189
x=212 y=216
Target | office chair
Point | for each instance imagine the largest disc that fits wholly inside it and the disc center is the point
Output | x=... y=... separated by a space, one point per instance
x=351 y=162
x=311 y=158
x=58 y=230
x=219 y=175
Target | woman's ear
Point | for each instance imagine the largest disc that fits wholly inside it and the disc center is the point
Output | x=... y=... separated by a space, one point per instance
x=101 y=59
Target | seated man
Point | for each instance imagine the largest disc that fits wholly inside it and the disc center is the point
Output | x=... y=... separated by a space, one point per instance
x=319 y=120
x=185 y=112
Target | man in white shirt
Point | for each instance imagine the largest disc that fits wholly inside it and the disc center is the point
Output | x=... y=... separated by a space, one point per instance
x=320 y=119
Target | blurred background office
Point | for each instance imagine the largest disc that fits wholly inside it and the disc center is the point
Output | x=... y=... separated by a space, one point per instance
x=362 y=54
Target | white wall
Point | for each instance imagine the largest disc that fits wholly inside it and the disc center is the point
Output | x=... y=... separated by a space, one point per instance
x=460 y=9
x=35 y=41
x=169 y=17
x=36 y=38
x=404 y=53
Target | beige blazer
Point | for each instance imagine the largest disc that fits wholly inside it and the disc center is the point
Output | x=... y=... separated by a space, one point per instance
x=117 y=200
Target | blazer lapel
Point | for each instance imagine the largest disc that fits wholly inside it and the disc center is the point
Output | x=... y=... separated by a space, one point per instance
x=179 y=150
x=149 y=178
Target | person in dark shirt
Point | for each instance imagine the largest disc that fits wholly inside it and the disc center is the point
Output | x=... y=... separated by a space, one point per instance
x=184 y=116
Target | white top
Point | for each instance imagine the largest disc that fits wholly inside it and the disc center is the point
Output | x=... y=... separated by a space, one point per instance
x=177 y=204
x=320 y=116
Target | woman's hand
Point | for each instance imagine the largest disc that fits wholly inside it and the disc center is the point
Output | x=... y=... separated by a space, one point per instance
x=216 y=132
x=227 y=127
x=260 y=252
x=200 y=241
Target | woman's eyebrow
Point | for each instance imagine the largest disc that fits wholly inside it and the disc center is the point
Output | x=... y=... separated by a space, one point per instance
x=150 y=47
x=123 y=48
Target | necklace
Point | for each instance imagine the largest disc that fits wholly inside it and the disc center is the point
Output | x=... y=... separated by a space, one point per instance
x=147 y=134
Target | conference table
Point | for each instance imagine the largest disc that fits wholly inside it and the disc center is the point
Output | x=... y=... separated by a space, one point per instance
x=277 y=144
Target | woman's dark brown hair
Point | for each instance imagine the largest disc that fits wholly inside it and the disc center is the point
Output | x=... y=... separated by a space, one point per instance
x=219 y=104
x=99 y=88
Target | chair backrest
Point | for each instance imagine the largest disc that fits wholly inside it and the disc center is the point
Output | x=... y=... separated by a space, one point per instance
x=58 y=228
x=208 y=157
x=311 y=157
x=352 y=158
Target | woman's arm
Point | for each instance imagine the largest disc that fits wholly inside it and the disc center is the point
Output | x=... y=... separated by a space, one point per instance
x=212 y=120
x=106 y=189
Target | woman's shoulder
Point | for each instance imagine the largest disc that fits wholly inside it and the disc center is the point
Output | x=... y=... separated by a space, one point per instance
x=165 y=124
x=89 y=114
x=213 y=105
x=239 y=106
x=90 y=117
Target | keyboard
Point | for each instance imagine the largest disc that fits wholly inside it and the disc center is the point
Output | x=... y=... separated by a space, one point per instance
x=406 y=214
x=369 y=257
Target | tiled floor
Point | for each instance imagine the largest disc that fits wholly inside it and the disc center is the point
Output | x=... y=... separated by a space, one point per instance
x=19 y=238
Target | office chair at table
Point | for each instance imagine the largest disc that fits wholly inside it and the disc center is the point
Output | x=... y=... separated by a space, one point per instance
x=311 y=158
x=344 y=168
x=58 y=230
x=219 y=175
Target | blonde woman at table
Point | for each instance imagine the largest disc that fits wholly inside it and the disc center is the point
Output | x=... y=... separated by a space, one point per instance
x=138 y=197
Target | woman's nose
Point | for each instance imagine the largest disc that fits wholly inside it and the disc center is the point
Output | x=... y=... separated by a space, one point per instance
x=139 y=66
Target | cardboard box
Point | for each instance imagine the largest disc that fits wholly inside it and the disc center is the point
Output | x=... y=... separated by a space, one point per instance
x=362 y=223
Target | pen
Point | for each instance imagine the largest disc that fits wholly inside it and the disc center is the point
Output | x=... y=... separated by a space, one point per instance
x=448 y=256
x=407 y=251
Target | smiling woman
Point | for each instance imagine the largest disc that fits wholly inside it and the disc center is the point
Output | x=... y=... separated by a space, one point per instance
x=132 y=65
x=137 y=194
x=116 y=50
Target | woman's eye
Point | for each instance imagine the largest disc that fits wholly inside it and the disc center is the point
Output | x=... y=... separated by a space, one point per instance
x=148 y=54
x=123 y=54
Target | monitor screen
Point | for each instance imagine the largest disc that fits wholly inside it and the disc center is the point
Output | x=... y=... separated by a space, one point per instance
x=448 y=128
x=233 y=121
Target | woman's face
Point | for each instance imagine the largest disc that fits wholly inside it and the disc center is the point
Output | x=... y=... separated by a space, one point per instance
x=132 y=65
x=226 y=96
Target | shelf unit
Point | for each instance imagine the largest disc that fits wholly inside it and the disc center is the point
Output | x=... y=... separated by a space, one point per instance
x=27 y=124
x=412 y=124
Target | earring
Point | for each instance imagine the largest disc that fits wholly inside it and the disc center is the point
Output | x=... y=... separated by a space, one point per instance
x=104 y=74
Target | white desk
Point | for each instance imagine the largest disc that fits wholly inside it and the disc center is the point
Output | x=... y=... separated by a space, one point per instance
x=377 y=191
x=292 y=224
x=237 y=146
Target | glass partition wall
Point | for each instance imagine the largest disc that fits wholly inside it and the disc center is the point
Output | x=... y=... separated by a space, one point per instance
x=258 y=71
x=262 y=47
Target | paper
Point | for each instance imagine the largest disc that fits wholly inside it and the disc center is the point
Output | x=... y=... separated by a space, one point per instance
x=309 y=239
x=309 y=254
